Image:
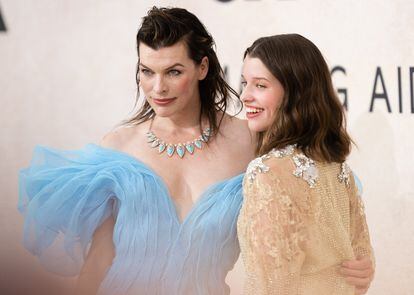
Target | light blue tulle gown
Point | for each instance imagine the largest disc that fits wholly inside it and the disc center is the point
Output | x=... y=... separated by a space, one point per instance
x=66 y=195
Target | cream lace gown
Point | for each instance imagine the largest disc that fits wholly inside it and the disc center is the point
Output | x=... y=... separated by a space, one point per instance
x=299 y=221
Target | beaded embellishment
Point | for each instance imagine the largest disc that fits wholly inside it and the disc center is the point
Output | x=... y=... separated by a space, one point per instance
x=280 y=153
x=345 y=174
x=305 y=168
x=256 y=166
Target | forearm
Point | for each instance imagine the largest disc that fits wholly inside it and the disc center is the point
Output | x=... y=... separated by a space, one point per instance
x=88 y=282
x=98 y=261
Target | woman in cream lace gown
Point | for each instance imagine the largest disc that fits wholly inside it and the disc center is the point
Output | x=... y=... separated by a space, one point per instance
x=302 y=214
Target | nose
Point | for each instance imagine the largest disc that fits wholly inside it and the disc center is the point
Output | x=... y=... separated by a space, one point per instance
x=245 y=96
x=160 y=85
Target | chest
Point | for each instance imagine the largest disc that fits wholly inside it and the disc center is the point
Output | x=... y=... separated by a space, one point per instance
x=188 y=178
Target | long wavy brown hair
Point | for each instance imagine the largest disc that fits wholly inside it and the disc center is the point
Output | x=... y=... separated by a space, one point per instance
x=310 y=114
x=163 y=27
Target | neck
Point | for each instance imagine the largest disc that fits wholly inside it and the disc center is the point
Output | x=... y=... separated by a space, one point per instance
x=185 y=121
x=177 y=122
x=179 y=130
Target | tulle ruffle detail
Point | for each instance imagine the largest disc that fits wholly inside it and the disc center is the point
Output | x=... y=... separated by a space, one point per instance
x=66 y=195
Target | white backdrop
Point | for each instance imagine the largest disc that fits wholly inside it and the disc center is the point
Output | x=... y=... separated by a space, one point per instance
x=67 y=77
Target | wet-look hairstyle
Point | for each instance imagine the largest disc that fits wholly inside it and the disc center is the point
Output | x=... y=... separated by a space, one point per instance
x=310 y=114
x=163 y=27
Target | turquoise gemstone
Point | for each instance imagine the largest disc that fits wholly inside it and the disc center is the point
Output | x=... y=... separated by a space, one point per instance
x=180 y=151
x=170 y=150
x=198 y=143
x=190 y=148
x=161 y=147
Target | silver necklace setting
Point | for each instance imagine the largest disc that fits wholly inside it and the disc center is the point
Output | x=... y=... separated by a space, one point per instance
x=178 y=148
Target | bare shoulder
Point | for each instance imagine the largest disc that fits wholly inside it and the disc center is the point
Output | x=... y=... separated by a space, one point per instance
x=117 y=138
x=238 y=130
x=238 y=139
x=123 y=137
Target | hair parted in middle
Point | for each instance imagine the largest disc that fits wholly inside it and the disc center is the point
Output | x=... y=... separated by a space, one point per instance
x=163 y=27
x=310 y=114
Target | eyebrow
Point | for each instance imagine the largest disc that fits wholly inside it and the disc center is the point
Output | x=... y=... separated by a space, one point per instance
x=257 y=78
x=170 y=67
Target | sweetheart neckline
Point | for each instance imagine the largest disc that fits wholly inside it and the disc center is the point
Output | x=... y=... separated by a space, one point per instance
x=205 y=194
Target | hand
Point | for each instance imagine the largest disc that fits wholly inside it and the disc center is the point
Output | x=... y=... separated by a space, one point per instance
x=359 y=273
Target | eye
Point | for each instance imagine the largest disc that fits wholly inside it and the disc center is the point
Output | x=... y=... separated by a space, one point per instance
x=146 y=72
x=260 y=86
x=243 y=84
x=174 y=72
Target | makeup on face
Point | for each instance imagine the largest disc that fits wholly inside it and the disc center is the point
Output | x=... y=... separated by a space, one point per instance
x=163 y=101
x=169 y=79
x=262 y=94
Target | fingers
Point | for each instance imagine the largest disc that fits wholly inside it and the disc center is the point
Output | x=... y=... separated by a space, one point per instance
x=349 y=272
x=358 y=273
x=360 y=263
x=359 y=282
x=361 y=291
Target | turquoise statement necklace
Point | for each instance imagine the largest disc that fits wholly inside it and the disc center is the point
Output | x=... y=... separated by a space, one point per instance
x=178 y=148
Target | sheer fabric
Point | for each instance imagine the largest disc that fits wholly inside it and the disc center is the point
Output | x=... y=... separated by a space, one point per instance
x=66 y=195
x=299 y=221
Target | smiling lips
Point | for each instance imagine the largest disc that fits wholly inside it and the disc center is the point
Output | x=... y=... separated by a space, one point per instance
x=163 y=101
x=252 y=112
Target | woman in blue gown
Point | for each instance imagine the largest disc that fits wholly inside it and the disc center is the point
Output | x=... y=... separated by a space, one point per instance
x=153 y=208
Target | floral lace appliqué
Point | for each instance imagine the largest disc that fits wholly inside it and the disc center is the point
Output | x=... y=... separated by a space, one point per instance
x=345 y=174
x=256 y=166
x=305 y=168
x=280 y=153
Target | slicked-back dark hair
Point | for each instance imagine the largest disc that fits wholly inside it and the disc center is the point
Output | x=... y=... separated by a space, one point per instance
x=310 y=114
x=163 y=27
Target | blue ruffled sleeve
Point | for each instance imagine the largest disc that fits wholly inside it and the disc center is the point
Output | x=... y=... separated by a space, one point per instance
x=65 y=196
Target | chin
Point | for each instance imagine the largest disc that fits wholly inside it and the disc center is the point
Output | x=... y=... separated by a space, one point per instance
x=256 y=126
x=164 y=112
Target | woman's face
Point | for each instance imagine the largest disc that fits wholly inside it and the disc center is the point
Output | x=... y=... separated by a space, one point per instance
x=262 y=94
x=169 y=79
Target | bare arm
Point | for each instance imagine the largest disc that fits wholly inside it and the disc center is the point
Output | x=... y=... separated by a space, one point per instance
x=98 y=261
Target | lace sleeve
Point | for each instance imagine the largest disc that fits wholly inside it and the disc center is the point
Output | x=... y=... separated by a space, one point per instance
x=359 y=229
x=277 y=226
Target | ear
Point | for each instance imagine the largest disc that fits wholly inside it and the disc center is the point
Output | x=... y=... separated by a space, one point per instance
x=203 y=68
